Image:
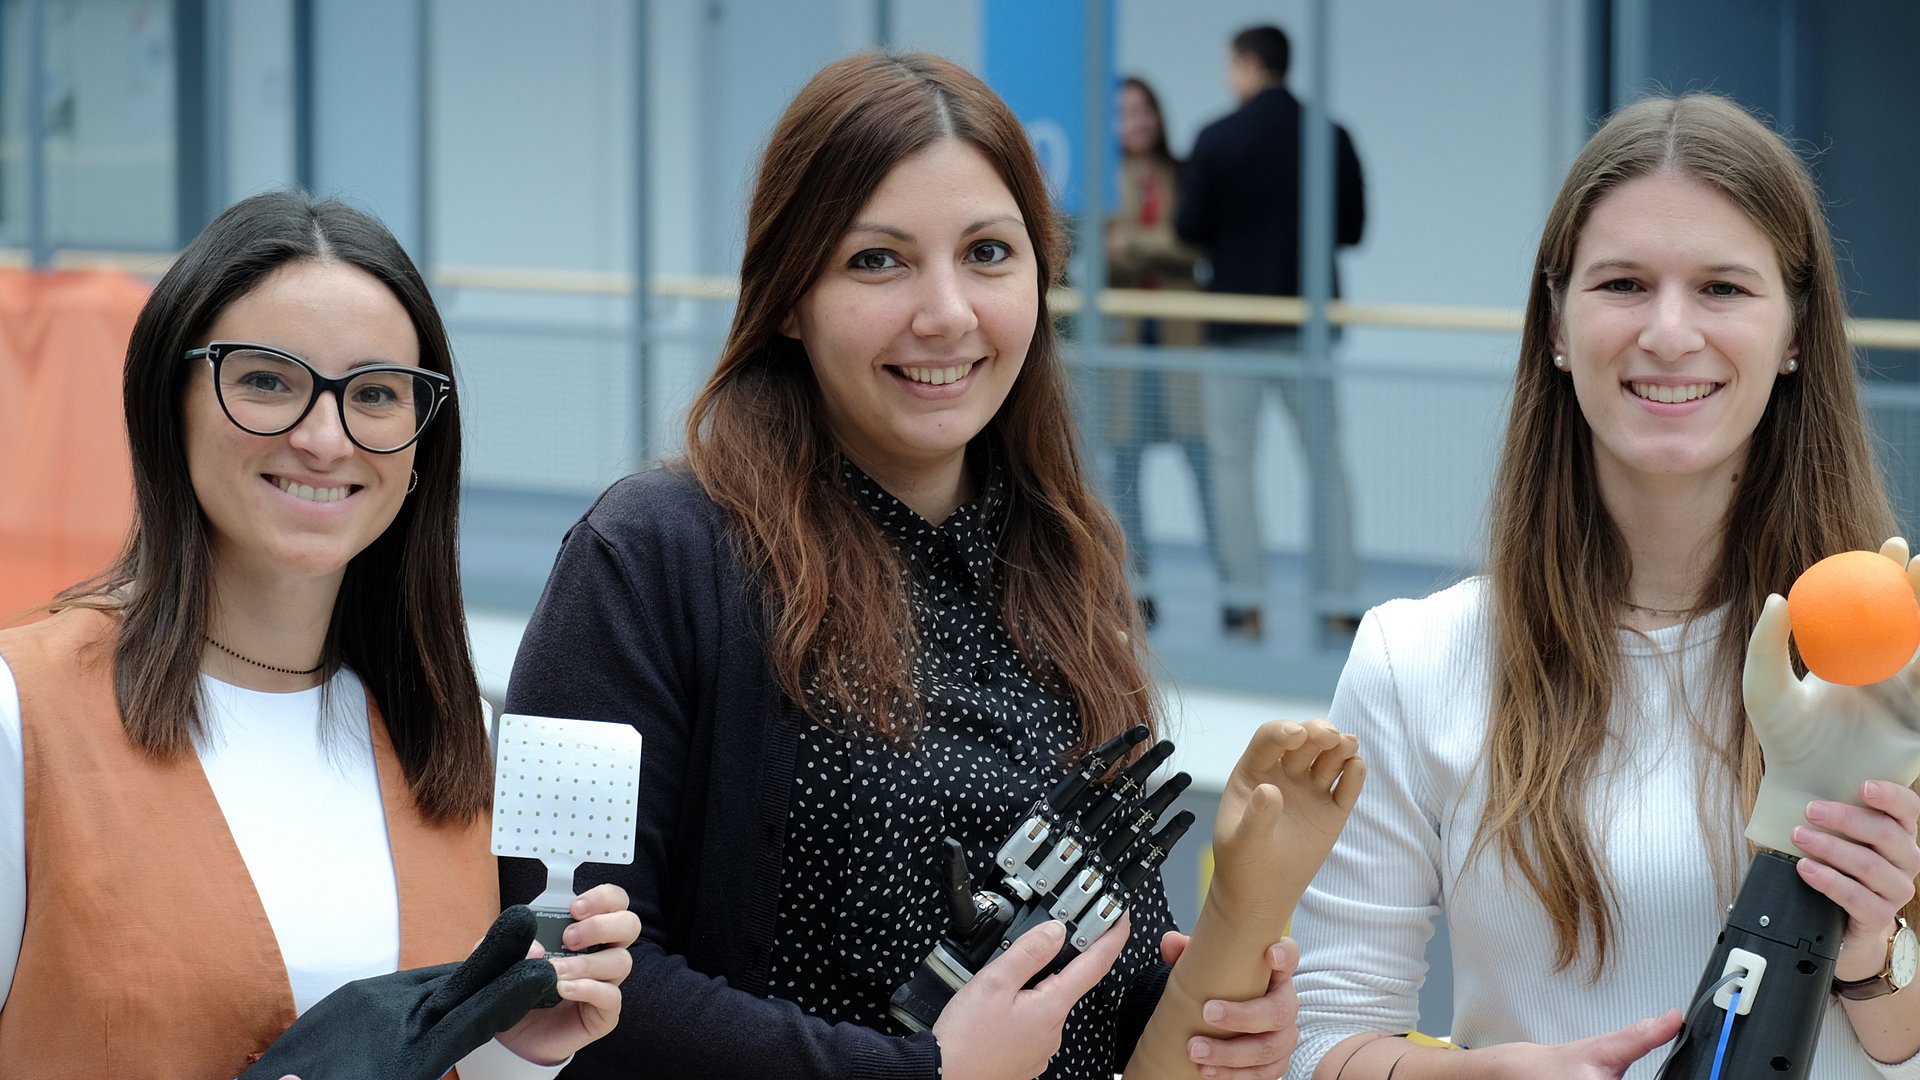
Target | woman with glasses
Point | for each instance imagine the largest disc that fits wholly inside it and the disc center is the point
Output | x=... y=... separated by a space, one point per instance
x=876 y=606
x=249 y=765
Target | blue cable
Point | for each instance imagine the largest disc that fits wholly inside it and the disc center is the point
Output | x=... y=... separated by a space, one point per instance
x=1726 y=1029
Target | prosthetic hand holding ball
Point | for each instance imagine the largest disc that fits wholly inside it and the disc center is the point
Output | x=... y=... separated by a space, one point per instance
x=563 y=793
x=1078 y=857
x=1286 y=802
x=1853 y=718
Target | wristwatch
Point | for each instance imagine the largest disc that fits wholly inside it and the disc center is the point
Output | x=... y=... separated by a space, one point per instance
x=1903 y=957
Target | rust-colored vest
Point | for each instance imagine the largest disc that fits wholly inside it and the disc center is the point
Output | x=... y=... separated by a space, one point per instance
x=147 y=953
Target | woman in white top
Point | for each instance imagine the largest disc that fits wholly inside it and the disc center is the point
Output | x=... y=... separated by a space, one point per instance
x=288 y=616
x=1561 y=762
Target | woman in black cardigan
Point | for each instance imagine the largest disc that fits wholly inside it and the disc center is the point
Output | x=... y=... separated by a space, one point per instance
x=877 y=604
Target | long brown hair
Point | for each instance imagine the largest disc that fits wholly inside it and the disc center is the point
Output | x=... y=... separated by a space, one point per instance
x=1159 y=151
x=1809 y=488
x=398 y=621
x=758 y=441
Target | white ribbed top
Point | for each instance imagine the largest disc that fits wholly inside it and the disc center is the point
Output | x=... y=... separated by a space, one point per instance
x=1416 y=693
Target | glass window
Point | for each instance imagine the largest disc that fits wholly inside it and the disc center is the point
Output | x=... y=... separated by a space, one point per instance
x=111 y=124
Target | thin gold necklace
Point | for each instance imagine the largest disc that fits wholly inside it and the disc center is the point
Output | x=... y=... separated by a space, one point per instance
x=258 y=664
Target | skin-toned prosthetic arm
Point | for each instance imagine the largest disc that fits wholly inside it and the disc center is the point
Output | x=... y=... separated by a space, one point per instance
x=1286 y=802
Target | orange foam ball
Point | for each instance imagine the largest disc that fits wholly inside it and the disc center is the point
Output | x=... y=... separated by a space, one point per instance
x=1854 y=618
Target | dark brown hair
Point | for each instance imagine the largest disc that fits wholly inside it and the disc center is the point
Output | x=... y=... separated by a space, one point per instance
x=1159 y=150
x=758 y=441
x=1268 y=45
x=398 y=620
x=1809 y=488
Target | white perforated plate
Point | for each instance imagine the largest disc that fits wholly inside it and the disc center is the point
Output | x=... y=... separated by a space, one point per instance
x=564 y=791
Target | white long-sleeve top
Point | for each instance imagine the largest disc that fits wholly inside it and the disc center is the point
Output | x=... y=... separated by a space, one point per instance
x=301 y=795
x=1416 y=691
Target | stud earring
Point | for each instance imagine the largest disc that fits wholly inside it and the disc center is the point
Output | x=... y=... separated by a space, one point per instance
x=413 y=480
x=1793 y=365
x=1560 y=361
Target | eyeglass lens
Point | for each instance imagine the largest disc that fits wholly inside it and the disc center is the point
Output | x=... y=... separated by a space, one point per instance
x=265 y=394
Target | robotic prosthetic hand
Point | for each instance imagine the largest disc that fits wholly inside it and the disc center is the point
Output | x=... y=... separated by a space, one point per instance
x=1286 y=802
x=1065 y=862
x=1822 y=741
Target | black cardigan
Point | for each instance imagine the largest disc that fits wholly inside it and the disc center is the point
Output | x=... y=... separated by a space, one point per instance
x=648 y=619
x=1240 y=199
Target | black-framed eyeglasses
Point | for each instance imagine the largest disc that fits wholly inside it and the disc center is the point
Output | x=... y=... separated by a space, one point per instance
x=268 y=391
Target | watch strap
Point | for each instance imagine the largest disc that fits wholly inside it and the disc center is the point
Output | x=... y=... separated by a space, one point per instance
x=1866 y=989
x=1875 y=986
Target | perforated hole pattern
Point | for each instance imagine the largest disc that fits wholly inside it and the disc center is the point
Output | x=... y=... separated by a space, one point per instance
x=565 y=789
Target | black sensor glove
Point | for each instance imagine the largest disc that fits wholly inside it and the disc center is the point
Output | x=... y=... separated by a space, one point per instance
x=417 y=1024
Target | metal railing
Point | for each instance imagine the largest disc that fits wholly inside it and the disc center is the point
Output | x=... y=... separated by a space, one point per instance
x=1903 y=334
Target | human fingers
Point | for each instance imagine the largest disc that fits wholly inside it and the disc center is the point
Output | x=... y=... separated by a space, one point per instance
x=1858 y=877
x=1898 y=802
x=1885 y=826
x=1172 y=944
x=1061 y=990
x=1263 y=1055
x=597 y=1006
x=1869 y=914
x=1283 y=957
x=615 y=929
x=611 y=966
x=599 y=900
x=1275 y=1010
x=1617 y=1050
x=1029 y=953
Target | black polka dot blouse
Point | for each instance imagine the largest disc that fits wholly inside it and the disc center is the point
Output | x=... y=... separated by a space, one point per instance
x=860 y=897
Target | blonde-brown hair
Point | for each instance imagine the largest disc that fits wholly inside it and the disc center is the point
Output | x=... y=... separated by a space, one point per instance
x=1810 y=487
x=757 y=438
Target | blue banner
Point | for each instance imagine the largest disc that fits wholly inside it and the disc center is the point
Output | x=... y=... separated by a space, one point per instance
x=1034 y=55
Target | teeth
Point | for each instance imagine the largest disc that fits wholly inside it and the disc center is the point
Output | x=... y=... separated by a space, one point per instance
x=937 y=376
x=312 y=494
x=1671 y=394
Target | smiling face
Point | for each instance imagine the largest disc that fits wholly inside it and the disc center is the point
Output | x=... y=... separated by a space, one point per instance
x=1676 y=322
x=922 y=319
x=304 y=503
